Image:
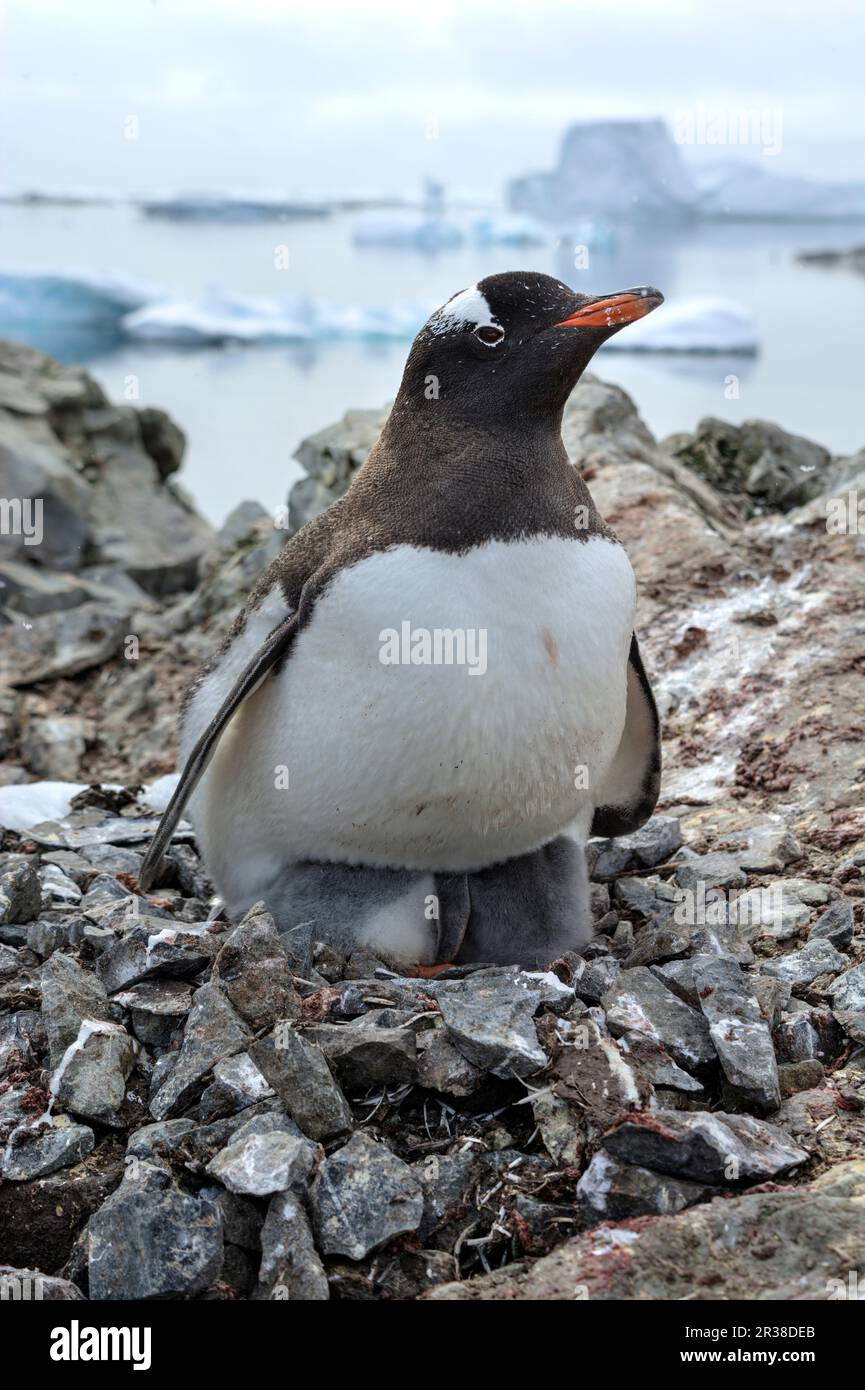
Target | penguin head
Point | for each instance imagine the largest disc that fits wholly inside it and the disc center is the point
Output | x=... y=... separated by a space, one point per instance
x=514 y=344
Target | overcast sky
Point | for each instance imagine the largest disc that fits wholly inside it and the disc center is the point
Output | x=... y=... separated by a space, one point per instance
x=329 y=97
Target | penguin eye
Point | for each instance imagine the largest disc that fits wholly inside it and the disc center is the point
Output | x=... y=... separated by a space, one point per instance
x=490 y=334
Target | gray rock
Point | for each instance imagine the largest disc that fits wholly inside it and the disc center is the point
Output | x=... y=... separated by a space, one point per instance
x=835 y=924
x=593 y=978
x=213 y=1030
x=770 y=849
x=638 y=1004
x=20 y=894
x=739 y=1032
x=149 y=1240
x=490 y=1017
x=91 y=1078
x=237 y=1083
x=55 y=747
x=10 y=961
x=258 y=1165
x=652 y=844
x=39 y=1149
x=442 y=1067
x=58 y=890
x=290 y=1265
x=807 y=1033
x=616 y=1191
x=157 y=1009
x=70 y=996
x=64 y=644
x=365 y=1053
x=717 y=870
x=799 y=968
x=364 y=1195
x=705 y=1147
x=156 y=947
x=301 y=1077
x=848 y=1001
x=767 y=1245
x=651 y=897
x=252 y=969
x=657 y=944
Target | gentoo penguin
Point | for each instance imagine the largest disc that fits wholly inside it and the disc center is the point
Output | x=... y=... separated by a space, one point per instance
x=434 y=695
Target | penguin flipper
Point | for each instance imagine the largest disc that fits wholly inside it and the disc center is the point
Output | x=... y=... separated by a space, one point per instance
x=271 y=651
x=630 y=789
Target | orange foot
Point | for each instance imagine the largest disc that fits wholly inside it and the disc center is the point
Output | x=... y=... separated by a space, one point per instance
x=426 y=972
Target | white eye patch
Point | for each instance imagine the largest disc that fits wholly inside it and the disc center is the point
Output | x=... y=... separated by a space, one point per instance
x=468 y=309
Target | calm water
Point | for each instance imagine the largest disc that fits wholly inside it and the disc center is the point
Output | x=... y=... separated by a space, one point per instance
x=245 y=409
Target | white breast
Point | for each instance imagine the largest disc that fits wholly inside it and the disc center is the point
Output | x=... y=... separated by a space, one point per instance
x=428 y=766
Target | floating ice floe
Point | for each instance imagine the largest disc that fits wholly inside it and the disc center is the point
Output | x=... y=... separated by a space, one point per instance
x=691 y=325
x=407 y=227
x=510 y=229
x=67 y=297
x=220 y=316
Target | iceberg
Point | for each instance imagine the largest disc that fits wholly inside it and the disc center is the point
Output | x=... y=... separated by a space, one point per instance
x=411 y=228
x=614 y=170
x=745 y=191
x=510 y=229
x=221 y=316
x=231 y=207
x=691 y=325
x=70 y=297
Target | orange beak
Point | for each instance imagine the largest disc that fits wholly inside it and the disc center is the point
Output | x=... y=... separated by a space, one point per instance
x=614 y=310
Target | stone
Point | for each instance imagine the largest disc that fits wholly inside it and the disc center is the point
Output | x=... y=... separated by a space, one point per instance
x=364 y=1196
x=739 y=1033
x=799 y=1076
x=442 y=1067
x=716 y=870
x=593 y=978
x=298 y=1072
x=364 y=1053
x=638 y=1004
x=600 y=1077
x=290 y=1265
x=785 y=1246
x=157 y=1009
x=848 y=1001
x=490 y=1017
x=770 y=850
x=70 y=996
x=657 y=944
x=91 y=1078
x=252 y=969
x=155 y=947
x=258 y=1165
x=20 y=894
x=614 y=1191
x=705 y=1147
x=58 y=890
x=56 y=746
x=40 y=1149
x=835 y=924
x=652 y=844
x=237 y=1083
x=150 y=1240
x=799 y=968
x=213 y=1031
x=806 y=1033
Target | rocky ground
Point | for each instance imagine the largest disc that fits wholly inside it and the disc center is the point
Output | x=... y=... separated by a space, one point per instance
x=191 y=1108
